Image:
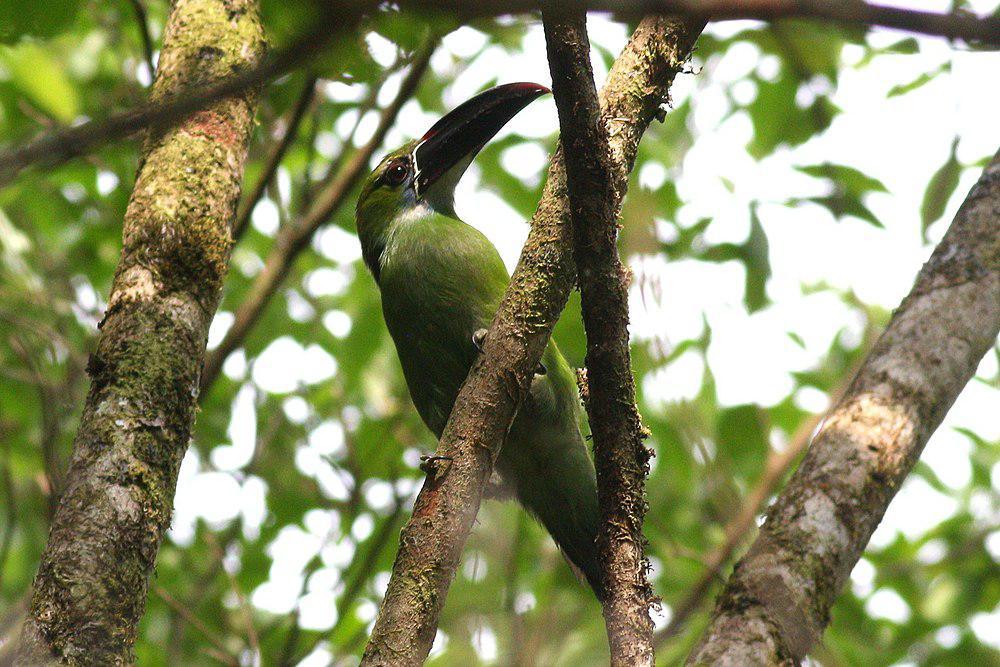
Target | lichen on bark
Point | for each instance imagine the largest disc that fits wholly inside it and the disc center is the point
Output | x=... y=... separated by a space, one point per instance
x=90 y=590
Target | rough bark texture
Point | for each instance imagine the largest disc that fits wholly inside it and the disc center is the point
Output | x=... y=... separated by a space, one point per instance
x=777 y=602
x=90 y=590
x=294 y=238
x=432 y=541
x=622 y=461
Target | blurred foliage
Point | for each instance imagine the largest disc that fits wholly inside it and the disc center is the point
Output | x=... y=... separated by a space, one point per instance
x=295 y=533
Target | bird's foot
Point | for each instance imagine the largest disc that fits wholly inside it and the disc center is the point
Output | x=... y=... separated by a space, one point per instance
x=478 y=339
x=434 y=465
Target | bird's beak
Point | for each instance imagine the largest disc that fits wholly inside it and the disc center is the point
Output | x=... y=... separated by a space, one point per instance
x=447 y=149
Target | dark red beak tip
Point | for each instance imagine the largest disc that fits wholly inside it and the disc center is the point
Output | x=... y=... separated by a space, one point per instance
x=532 y=87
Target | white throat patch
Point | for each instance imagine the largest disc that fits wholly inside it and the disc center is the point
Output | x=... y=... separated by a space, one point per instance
x=406 y=218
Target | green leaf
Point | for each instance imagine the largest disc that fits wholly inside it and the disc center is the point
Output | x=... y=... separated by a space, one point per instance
x=850 y=186
x=921 y=80
x=35 y=18
x=841 y=206
x=757 y=263
x=42 y=79
x=908 y=45
x=848 y=179
x=742 y=434
x=939 y=190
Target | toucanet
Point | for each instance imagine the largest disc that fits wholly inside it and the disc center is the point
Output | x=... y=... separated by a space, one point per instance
x=441 y=282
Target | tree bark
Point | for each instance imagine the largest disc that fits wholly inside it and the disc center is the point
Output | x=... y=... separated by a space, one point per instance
x=621 y=459
x=90 y=590
x=777 y=601
x=431 y=542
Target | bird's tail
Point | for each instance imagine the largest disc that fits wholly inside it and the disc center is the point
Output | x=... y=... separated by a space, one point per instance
x=562 y=493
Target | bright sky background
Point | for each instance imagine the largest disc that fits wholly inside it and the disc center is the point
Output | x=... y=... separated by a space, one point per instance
x=900 y=141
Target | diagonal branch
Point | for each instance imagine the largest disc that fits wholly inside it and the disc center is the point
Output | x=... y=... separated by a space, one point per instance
x=294 y=238
x=274 y=157
x=432 y=541
x=743 y=523
x=777 y=602
x=58 y=146
x=147 y=40
x=167 y=107
x=621 y=459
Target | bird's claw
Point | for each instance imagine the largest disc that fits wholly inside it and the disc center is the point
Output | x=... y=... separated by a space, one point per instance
x=478 y=339
x=431 y=465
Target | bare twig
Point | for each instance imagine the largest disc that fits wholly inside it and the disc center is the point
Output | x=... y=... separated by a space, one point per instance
x=295 y=237
x=163 y=110
x=277 y=153
x=432 y=541
x=253 y=641
x=48 y=439
x=777 y=602
x=353 y=588
x=621 y=459
x=147 y=41
x=742 y=524
x=956 y=25
x=195 y=622
x=10 y=498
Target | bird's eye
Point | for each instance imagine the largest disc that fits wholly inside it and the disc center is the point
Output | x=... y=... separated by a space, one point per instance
x=396 y=173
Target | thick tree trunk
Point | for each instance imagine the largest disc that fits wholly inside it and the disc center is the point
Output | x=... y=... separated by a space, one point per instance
x=90 y=590
x=777 y=602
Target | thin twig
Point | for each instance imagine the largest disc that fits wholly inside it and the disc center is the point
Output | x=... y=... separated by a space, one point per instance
x=275 y=157
x=742 y=524
x=252 y=638
x=369 y=562
x=52 y=466
x=194 y=621
x=58 y=146
x=9 y=492
x=147 y=39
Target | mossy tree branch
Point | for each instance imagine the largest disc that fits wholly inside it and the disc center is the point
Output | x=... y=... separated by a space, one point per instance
x=431 y=543
x=90 y=590
x=777 y=601
x=595 y=192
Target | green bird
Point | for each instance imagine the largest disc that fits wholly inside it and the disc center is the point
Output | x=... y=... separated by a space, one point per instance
x=441 y=282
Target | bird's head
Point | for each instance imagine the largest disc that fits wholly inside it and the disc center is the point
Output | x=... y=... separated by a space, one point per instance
x=422 y=174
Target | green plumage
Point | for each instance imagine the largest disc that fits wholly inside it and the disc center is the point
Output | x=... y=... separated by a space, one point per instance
x=441 y=280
